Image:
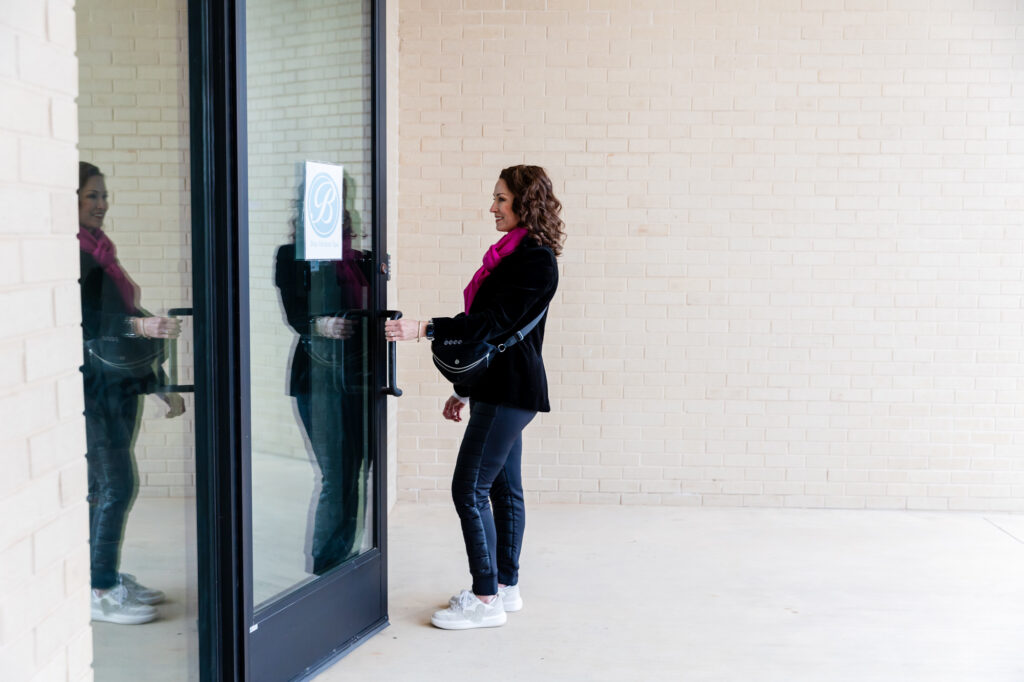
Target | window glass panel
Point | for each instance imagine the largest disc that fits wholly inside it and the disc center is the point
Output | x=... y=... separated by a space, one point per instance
x=135 y=238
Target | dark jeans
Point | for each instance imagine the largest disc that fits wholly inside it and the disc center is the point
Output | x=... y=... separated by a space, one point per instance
x=333 y=423
x=490 y=466
x=111 y=418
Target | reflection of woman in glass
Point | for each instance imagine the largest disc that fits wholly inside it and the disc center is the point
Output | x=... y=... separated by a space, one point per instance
x=517 y=281
x=111 y=314
x=324 y=301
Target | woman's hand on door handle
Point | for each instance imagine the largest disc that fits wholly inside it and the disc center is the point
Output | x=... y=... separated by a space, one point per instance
x=157 y=327
x=404 y=330
x=335 y=327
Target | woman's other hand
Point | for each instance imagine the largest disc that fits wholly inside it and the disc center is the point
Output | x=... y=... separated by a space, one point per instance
x=403 y=330
x=453 y=409
x=175 y=404
x=158 y=327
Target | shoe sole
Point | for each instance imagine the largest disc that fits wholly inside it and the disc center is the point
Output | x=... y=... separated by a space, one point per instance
x=123 y=620
x=512 y=607
x=487 y=623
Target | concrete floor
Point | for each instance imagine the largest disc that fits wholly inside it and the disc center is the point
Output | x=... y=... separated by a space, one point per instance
x=645 y=594
x=650 y=594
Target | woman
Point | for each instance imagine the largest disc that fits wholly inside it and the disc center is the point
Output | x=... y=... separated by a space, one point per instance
x=515 y=284
x=110 y=313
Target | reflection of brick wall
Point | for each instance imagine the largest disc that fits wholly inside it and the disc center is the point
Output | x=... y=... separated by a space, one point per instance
x=133 y=124
x=793 y=274
x=308 y=85
x=44 y=553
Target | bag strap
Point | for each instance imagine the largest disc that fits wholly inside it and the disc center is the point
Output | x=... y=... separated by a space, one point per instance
x=521 y=334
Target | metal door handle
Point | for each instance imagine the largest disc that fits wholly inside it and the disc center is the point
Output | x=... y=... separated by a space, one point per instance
x=172 y=365
x=392 y=387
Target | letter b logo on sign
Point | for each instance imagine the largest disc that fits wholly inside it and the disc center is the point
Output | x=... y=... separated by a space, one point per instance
x=322 y=212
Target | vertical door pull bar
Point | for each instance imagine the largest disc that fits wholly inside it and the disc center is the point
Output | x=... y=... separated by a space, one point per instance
x=392 y=387
x=172 y=366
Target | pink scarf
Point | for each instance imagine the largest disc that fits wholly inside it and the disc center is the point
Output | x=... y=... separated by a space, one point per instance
x=503 y=247
x=98 y=245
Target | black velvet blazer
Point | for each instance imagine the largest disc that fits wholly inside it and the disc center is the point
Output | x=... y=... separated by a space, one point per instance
x=105 y=313
x=518 y=289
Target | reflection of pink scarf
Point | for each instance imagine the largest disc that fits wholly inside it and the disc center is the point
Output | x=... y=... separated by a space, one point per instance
x=98 y=245
x=503 y=247
x=350 y=277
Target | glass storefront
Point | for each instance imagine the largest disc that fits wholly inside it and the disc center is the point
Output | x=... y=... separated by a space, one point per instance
x=230 y=217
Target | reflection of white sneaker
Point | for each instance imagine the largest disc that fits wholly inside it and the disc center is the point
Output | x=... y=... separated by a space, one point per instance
x=139 y=592
x=469 y=612
x=115 y=606
x=510 y=597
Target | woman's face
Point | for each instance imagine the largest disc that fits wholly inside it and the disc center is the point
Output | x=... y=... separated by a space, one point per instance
x=92 y=203
x=505 y=218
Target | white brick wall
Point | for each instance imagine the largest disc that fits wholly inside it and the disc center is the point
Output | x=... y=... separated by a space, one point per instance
x=134 y=117
x=796 y=242
x=44 y=556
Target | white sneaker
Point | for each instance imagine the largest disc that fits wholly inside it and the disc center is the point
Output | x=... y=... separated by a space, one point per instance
x=139 y=592
x=469 y=612
x=116 y=606
x=510 y=597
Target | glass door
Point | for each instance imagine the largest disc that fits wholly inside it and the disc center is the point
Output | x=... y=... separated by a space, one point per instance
x=314 y=532
x=136 y=278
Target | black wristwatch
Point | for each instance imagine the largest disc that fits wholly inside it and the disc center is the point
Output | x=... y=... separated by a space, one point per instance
x=429 y=333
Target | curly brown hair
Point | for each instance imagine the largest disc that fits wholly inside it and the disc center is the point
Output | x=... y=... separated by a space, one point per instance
x=534 y=201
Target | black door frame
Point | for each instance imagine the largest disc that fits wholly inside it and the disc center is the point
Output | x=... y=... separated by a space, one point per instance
x=216 y=264
x=220 y=262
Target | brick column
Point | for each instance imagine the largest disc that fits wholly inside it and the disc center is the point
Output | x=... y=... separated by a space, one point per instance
x=44 y=559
